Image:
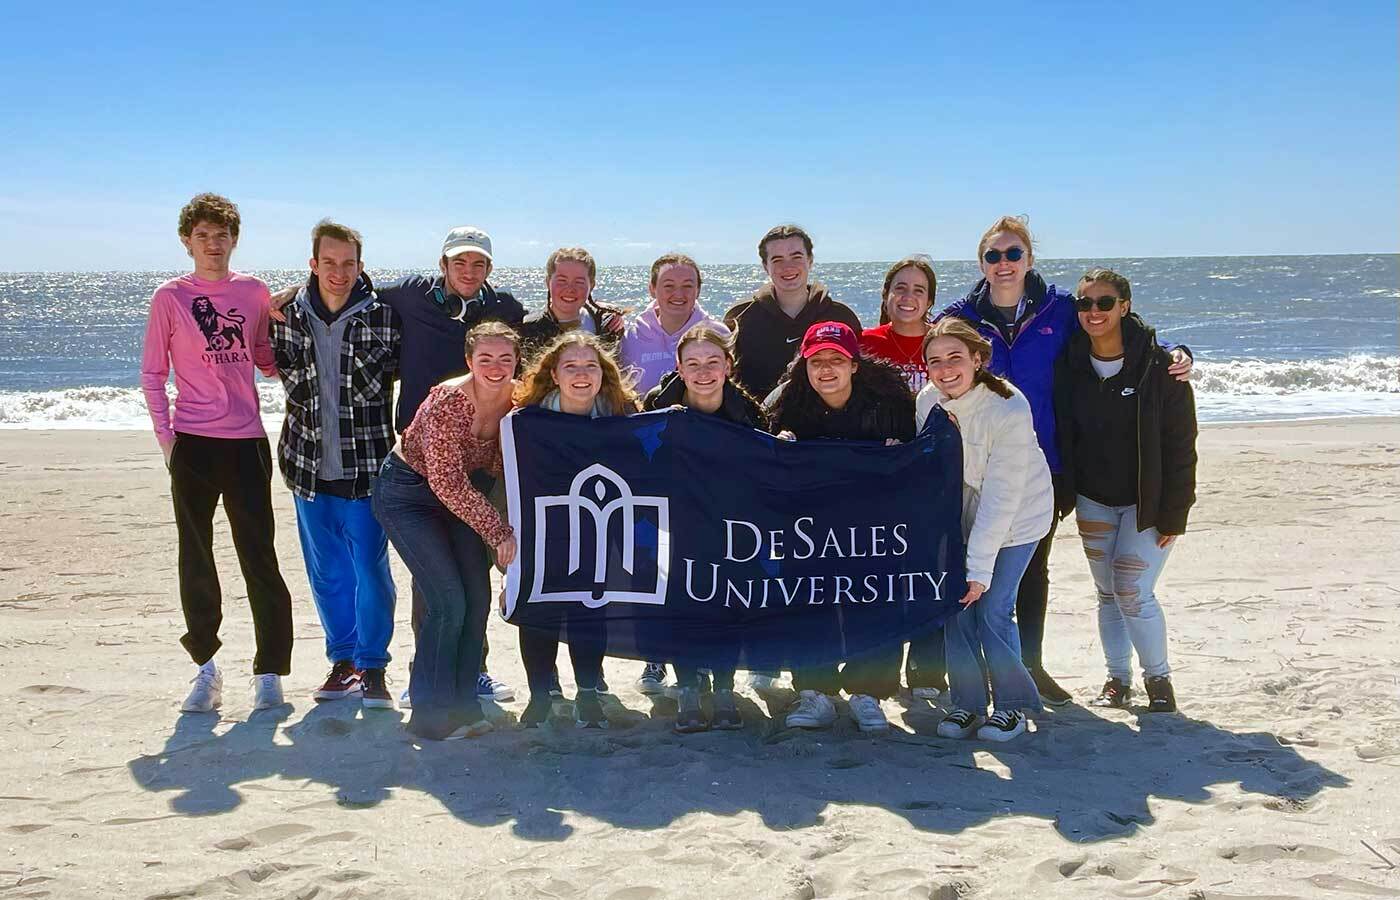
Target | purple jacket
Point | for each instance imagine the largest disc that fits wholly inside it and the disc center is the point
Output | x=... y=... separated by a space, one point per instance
x=649 y=352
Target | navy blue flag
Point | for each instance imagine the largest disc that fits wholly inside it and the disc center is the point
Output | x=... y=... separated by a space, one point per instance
x=677 y=536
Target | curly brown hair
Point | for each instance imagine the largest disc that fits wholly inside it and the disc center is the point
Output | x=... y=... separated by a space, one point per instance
x=210 y=208
x=538 y=381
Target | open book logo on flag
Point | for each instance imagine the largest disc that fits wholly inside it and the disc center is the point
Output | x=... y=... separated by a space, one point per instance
x=600 y=543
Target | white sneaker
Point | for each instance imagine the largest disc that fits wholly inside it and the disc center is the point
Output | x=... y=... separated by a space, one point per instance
x=866 y=712
x=1002 y=726
x=813 y=710
x=926 y=693
x=653 y=679
x=959 y=724
x=405 y=700
x=207 y=694
x=267 y=691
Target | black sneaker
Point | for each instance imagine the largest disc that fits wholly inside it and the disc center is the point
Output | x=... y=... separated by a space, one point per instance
x=1051 y=694
x=536 y=712
x=726 y=717
x=602 y=685
x=690 y=718
x=1160 y=696
x=588 y=710
x=1115 y=695
x=556 y=690
x=374 y=690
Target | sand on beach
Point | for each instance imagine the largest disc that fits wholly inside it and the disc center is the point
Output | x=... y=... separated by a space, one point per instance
x=1283 y=604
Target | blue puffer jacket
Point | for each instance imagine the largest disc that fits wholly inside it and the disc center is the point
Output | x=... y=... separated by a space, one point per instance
x=1029 y=360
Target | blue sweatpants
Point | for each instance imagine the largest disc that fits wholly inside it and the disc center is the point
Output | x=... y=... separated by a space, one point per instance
x=347 y=563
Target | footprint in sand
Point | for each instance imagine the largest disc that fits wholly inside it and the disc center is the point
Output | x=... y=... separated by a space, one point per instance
x=263 y=837
x=50 y=689
x=1270 y=852
x=1351 y=885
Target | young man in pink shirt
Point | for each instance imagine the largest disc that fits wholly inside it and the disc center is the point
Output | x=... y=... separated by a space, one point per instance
x=211 y=327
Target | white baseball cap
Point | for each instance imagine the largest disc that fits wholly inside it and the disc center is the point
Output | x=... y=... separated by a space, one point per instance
x=466 y=239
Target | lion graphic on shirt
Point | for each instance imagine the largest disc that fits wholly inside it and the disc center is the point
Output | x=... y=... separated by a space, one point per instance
x=221 y=330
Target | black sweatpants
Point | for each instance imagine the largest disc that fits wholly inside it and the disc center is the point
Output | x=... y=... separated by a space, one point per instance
x=238 y=470
x=1032 y=598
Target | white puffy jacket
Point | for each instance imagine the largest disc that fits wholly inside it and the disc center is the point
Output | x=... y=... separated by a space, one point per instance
x=1008 y=498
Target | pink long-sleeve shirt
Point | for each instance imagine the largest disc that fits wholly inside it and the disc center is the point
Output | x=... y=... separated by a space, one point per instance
x=214 y=333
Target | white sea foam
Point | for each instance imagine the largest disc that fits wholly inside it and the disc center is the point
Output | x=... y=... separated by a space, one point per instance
x=1231 y=390
x=111 y=408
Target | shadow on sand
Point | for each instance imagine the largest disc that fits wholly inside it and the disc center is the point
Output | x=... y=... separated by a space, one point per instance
x=1091 y=776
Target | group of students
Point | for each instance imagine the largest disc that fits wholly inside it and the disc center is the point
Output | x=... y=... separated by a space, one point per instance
x=1064 y=401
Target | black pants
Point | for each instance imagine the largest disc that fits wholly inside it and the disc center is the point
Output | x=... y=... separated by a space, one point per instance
x=238 y=470
x=927 y=665
x=1032 y=598
x=875 y=673
x=539 y=651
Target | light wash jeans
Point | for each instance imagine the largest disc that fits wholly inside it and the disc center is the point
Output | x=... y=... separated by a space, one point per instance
x=982 y=640
x=1125 y=564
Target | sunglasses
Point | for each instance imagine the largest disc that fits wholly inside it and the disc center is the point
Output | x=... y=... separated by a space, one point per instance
x=1013 y=254
x=1102 y=304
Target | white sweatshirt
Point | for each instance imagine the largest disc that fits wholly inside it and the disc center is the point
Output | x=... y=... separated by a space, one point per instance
x=1008 y=498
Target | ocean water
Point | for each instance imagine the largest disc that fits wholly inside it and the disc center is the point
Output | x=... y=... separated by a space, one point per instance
x=1274 y=337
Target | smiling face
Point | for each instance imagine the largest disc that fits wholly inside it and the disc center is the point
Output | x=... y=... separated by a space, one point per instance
x=1006 y=274
x=952 y=367
x=569 y=287
x=675 y=291
x=579 y=375
x=1097 y=323
x=908 y=299
x=829 y=373
x=703 y=368
x=466 y=273
x=210 y=245
x=788 y=265
x=492 y=363
x=337 y=267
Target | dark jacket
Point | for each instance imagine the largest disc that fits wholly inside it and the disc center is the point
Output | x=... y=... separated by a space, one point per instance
x=766 y=338
x=435 y=323
x=735 y=406
x=878 y=409
x=1028 y=359
x=369 y=358
x=1166 y=425
x=541 y=327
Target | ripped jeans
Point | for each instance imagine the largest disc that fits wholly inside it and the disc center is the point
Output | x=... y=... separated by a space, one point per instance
x=1125 y=564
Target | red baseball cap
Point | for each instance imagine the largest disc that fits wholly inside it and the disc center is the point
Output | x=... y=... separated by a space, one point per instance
x=836 y=336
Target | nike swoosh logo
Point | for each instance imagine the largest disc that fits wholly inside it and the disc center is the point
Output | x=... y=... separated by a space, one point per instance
x=793 y=340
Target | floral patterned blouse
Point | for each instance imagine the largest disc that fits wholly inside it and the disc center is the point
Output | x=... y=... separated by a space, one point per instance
x=439 y=445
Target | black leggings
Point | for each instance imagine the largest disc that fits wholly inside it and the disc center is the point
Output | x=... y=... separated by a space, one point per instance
x=1032 y=598
x=539 y=651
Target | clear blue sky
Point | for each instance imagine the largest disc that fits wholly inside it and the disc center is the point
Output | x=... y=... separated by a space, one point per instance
x=1122 y=129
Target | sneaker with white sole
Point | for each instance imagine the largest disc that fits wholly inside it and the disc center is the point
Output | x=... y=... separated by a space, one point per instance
x=488 y=688
x=959 y=724
x=207 y=694
x=374 y=690
x=342 y=681
x=653 y=679
x=267 y=691
x=813 y=710
x=1002 y=725
x=926 y=693
x=867 y=714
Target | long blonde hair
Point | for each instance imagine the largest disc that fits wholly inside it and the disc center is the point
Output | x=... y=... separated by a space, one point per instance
x=539 y=380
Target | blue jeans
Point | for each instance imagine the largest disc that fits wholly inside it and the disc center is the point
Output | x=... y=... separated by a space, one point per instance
x=451 y=567
x=982 y=640
x=1125 y=564
x=347 y=563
